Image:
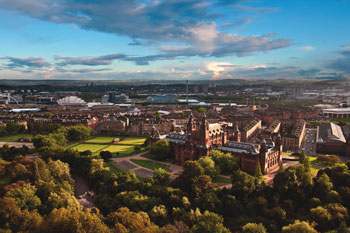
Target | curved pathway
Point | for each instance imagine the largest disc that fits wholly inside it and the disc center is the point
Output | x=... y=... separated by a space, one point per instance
x=125 y=163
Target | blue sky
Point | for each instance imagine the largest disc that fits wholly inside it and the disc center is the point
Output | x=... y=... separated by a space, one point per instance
x=174 y=39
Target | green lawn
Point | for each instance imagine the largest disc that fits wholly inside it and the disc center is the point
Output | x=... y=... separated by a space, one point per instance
x=223 y=180
x=136 y=141
x=15 y=137
x=122 y=149
x=91 y=147
x=149 y=155
x=101 y=140
x=149 y=164
x=342 y=120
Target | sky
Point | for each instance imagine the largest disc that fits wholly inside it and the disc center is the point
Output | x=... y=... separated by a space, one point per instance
x=174 y=39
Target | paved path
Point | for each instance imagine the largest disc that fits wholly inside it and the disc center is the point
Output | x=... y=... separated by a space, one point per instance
x=18 y=144
x=83 y=192
x=125 y=163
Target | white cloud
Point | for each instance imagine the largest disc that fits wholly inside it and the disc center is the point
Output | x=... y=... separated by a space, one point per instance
x=307 y=48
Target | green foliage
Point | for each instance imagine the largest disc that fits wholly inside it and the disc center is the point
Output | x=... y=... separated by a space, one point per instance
x=201 y=110
x=160 y=150
x=124 y=220
x=64 y=220
x=209 y=223
x=209 y=166
x=157 y=116
x=161 y=176
x=243 y=184
x=302 y=157
x=25 y=197
x=329 y=160
x=253 y=228
x=226 y=162
x=300 y=227
x=258 y=172
x=77 y=132
x=12 y=128
x=106 y=155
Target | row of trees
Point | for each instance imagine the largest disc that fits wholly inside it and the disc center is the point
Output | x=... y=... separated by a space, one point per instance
x=11 y=128
x=62 y=136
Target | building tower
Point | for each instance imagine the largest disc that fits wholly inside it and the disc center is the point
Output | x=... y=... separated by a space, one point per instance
x=236 y=134
x=190 y=124
x=187 y=91
x=204 y=130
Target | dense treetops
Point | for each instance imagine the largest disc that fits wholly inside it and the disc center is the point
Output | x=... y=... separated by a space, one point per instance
x=39 y=194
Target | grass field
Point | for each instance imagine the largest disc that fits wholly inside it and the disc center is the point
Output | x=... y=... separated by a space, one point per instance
x=149 y=155
x=91 y=147
x=122 y=149
x=149 y=164
x=101 y=140
x=135 y=141
x=15 y=137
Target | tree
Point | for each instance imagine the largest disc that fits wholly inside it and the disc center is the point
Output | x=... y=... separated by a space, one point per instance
x=258 y=172
x=17 y=220
x=157 y=116
x=191 y=170
x=76 y=132
x=226 y=162
x=97 y=165
x=48 y=115
x=25 y=197
x=40 y=141
x=243 y=184
x=71 y=221
x=209 y=223
x=106 y=155
x=201 y=185
x=209 y=166
x=60 y=171
x=300 y=227
x=321 y=216
x=323 y=186
x=160 y=150
x=302 y=157
x=307 y=164
x=123 y=218
x=159 y=214
x=201 y=109
x=63 y=199
x=13 y=127
x=161 y=176
x=306 y=180
x=253 y=228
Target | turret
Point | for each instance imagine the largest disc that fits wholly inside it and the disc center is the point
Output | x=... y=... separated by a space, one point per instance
x=236 y=134
x=153 y=131
x=204 y=129
x=279 y=145
x=263 y=147
x=173 y=127
x=190 y=124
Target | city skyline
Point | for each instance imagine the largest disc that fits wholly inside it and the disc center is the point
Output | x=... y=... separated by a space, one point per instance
x=174 y=39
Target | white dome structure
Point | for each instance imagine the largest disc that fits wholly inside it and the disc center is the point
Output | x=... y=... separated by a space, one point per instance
x=71 y=101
